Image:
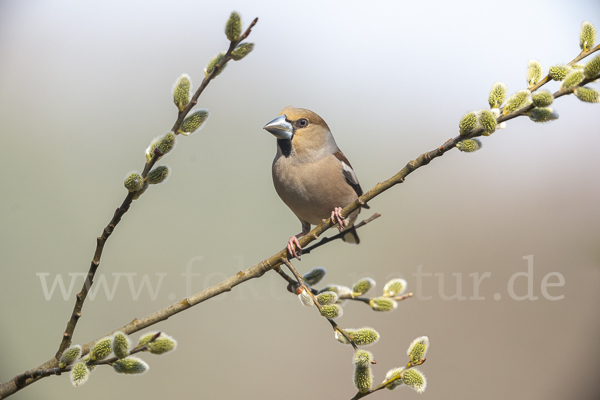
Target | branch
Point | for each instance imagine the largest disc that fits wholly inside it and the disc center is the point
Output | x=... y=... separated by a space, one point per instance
x=340 y=235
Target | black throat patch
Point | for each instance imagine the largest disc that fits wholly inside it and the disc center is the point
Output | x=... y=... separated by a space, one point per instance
x=286 y=147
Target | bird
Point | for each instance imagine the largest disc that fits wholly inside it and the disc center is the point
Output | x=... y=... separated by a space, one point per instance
x=311 y=174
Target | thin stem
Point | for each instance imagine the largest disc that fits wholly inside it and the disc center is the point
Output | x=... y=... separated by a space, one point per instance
x=339 y=235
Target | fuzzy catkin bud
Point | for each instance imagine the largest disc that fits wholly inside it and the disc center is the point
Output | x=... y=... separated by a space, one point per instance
x=383 y=304
x=327 y=298
x=340 y=338
x=233 y=27
x=415 y=379
x=588 y=95
x=79 y=374
x=497 y=95
x=130 y=365
x=193 y=121
x=516 y=101
x=213 y=63
x=70 y=355
x=394 y=288
x=162 y=345
x=487 y=120
x=469 y=146
x=314 y=276
x=391 y=374
x=144 y=340
x=542 y=114
x=363 y=379
x=534 y=72
x=362 y=286
x=158 y=175
x=304 y=297
x=362 y=358
x=101 y=349
x=181 y=92
x=559 y=72
x=542 y=98
x=166 y=143
x=331 y=311
x=587 y=36
x=418 y=349
x=120 y=345
x=241 y=51
x=592 y=68
x=573 y=79
x=364 y=336
x=137 y=194
x=133 y=182
x=467 y=123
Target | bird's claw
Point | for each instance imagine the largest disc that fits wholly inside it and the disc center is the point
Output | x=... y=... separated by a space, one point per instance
x=336 y=218
x=291 y=246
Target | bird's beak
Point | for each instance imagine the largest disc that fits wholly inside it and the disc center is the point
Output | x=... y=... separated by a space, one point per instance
x=280 y=128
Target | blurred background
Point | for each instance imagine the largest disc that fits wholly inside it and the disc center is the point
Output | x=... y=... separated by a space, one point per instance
x=85 y=87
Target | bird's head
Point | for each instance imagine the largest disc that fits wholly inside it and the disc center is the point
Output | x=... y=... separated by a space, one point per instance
x=303 y=131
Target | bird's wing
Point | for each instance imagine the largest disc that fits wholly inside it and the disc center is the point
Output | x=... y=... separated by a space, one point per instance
x=349 y=174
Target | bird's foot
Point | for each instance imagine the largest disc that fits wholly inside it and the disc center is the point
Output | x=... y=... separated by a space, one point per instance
x=291 y=246
x=336 y=217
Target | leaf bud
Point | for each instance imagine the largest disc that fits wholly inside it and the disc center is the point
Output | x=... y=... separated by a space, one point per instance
x=487 y=120
x=542 y=114
x=362 y=358
x=542 y=98
x=331 y=311
x=588 y=95
x=592 y=68
x=70 y=355
x=418 y=349
x=193 y=121
x=163 y=344
x=587 y=36
x=497 y=95
x=559 y=72
x=534 y=72
x=101 y=349
x=133 y=182
x=327 y=298
x=233 y=27
x=79 y=374
x=383 y=304
x=394 y=288
x=362 y=286
x=241 y=51
x=314 y=276
x=415 y=379
x=158 y=175
x=469 y=146
x=468 y=123
x=120 y=345
x=181 y=92
x=130 y=365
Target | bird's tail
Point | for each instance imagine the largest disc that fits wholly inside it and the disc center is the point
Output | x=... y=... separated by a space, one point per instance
x=351 y=236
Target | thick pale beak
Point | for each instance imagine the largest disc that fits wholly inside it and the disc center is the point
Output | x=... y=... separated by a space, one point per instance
x=280 y=128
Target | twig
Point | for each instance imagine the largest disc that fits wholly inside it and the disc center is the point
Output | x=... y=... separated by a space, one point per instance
x=340 y=234
x=334 y=325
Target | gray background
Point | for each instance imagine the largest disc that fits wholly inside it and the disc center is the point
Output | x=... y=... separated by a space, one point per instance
x=85 y=86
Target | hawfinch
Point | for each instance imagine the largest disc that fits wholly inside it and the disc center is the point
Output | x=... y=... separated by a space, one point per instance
x=311 y=174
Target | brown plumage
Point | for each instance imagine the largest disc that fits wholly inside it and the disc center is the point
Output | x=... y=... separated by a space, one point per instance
x=310 y=173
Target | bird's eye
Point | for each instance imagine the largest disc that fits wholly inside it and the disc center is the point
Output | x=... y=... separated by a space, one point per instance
x=303 y=122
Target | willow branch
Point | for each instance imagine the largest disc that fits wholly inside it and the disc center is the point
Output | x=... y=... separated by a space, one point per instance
x=339 y=235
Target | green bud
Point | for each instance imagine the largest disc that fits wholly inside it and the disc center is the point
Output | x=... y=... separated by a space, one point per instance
x=162 y=345
x=587 y=37
x=543 y=114
x=383 y=304
x=469 y=146
x=120 y=345
x=158 y=175
x=70 y=356
x=130 y=365
x=559 y=72
x=331 y=311
x=573 y=78
x=133 y=182
x=362 y=286
x=394 y=288
x=101 y=349
x=516 y=101
x=340 y=338
x=415 y=379
x=327 y=298
x=393 y=373
x=534 y=72
x=587 y=94
x=166 y=143
x=542 y=98
x=497 y=95
x=314 y=276
x=487 y=120
x=592 y=68
x=86 y=360
x=364 y=336
x=144 y=340
x=150 y=149
x=304 y=297
x=213 y=63
x=193 y=121
x=362 y=358
x=79 y=374
x=363 y=379
x=233 y=27
x=578 y=66
x=137 y=194
x=241 y=51
x=418 y=349
x=181 y=92
x=468 y=123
